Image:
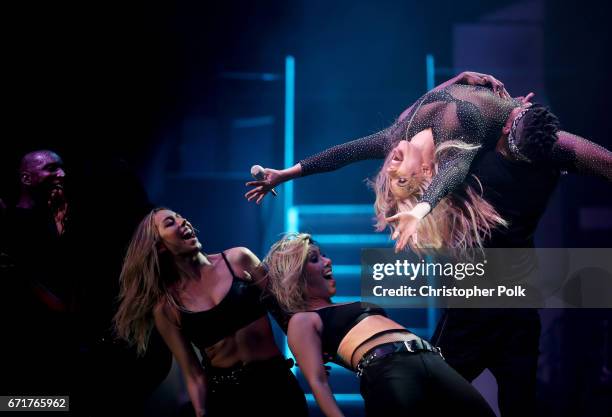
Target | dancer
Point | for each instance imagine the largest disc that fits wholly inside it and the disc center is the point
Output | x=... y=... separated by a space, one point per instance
x=214 y=302
x=460 y=122
x=400 y=373
x=513 y=179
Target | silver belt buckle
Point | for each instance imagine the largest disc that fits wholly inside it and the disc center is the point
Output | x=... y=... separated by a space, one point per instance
x=359 y=370
x=408 y=346
x=439 y=351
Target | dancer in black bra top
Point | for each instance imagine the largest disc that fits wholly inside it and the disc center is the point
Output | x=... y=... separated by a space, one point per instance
x=238 y=308
x=215 y=302
x=401 y=374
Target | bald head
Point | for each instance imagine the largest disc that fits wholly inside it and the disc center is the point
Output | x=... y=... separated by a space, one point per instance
x=41 y=169
x=35 y=158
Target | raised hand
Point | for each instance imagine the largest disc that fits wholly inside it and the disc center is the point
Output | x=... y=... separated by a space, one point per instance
x=260 y=188
x=476 y=78
x=405 y=229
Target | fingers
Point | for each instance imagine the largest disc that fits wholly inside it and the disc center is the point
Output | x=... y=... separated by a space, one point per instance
x=260 y=198
x=404 y=241
x=499 y=88
x=401 y=243
x=527 y=99
x=256 y=183
x=253 y=193
x=391 y=219
x=496 y=85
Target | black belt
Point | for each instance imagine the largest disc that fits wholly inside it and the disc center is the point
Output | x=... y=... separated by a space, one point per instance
x=238 y=373
x=380 y=351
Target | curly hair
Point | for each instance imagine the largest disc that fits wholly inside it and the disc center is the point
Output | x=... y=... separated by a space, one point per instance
x=539 y=133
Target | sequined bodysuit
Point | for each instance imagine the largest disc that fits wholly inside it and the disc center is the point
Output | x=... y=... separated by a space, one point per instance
x=471 y=114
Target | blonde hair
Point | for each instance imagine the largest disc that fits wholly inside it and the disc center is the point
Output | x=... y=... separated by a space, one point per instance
x=460 y=221
x=285 y=263
x=141 y=285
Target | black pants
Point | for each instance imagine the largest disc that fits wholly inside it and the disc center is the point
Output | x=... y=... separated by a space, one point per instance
x=418 y=384
x=505 y=341
x=266 y=388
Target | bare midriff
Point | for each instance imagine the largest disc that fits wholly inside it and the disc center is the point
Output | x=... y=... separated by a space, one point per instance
x=362 y=338
x=252 y=343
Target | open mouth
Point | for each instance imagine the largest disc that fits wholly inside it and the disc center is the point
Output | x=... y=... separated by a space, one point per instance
x=188 y=234
x=328 y=275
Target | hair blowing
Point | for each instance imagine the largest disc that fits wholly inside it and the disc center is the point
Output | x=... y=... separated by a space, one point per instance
x=460 y=221
x=285 y=262
x=141 y=285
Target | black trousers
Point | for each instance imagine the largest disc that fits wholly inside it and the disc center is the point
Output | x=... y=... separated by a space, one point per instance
x=505 y=341
x=266 y=388
x=418 y=384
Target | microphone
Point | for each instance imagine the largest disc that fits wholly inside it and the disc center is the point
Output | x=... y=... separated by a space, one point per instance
x=257 y=172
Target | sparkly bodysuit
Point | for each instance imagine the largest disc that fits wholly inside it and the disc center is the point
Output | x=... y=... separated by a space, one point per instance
x=471 y=114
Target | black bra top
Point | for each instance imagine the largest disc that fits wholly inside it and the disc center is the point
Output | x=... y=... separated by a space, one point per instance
x=240 y=307
x=339 y=319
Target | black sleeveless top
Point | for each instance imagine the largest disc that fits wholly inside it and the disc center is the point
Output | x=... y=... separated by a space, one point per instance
x=240 y=306
x=339 y=319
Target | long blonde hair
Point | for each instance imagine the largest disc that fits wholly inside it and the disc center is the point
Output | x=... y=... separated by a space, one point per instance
x=460 y=221
x=285 y=263
x=144 y=281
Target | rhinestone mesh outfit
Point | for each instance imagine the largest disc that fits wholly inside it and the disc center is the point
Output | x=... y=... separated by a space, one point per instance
x=471 y=114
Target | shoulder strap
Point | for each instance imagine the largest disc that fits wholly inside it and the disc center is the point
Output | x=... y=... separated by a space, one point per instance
x=228 y=265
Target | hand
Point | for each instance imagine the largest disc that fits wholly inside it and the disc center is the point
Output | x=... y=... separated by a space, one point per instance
x=405 y=230
x=476 y=78
x=525 y=100
x=272 y=177
x=57 y=198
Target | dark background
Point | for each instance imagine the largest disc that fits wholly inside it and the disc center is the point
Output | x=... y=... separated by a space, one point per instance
x=174 y=90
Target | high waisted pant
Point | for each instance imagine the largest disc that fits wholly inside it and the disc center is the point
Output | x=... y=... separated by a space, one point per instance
x=266 y=388
x=418 y=384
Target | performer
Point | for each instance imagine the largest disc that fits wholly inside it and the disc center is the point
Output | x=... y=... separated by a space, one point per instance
x=530 y=135
x=68 y=315
x=40 y=289
x=400 y=373
x=214 y=302
x=459 y=122
x=506 y=197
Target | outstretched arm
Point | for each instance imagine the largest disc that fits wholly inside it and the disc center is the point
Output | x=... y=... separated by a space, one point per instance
x=378 y=145
x=305 y=342
x=375 y=146
x=576 y=154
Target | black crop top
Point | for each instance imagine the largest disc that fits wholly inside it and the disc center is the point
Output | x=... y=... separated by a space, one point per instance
x=338 y=320
x=240 y=307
